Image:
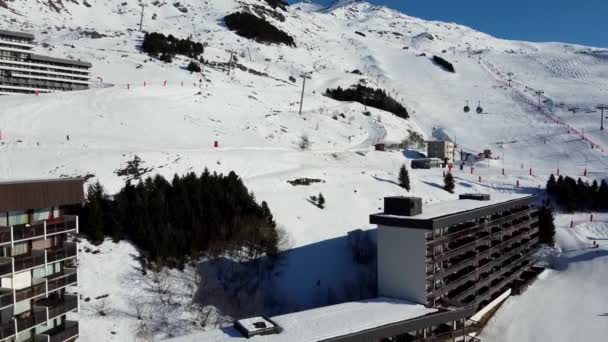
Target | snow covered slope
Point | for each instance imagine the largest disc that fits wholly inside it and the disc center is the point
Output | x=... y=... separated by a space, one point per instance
x=255 y=118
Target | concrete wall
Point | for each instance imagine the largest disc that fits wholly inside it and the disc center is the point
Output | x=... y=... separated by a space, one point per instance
x=401 y=263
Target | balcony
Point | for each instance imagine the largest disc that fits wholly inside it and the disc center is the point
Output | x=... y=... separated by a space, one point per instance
x=37 y=257
x=58 y=306
x=68 y=277
x=7 y=298
x=65 y=332
x=30 y=319
x=38 y=289
x=38 y=229
x=456 y=232
x=69 y=250
x=7 y=329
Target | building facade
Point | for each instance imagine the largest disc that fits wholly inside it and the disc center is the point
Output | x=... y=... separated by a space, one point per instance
x=24 y=72
x=38 y=260
x=443 y=150
x=461 y=253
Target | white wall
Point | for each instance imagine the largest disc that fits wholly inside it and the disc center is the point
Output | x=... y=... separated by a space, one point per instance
x=401 y=263
x=22 y=280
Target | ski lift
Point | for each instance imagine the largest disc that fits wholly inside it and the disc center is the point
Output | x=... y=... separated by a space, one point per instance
x=467 y=108
x=479 y=109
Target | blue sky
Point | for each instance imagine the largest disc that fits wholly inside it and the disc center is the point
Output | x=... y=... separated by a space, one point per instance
x=581 y=22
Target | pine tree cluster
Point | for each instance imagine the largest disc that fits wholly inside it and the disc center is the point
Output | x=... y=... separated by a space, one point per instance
x=156 y=44
x=282 y=4
x=190 y=216
x=447 y=66
x=578 y=195
x=376 y=98
x=546 y=226
x=252 y=27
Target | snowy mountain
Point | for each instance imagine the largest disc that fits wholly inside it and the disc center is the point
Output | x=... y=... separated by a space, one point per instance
x=253 y=114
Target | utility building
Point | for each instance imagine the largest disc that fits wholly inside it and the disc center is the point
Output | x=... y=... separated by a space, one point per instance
x=22 y=71
x=38 y=260
x=465 y=252
x=443 y=150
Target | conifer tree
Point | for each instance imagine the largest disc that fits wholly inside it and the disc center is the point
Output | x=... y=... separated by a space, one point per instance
x=546 y=226
x=404 y=178
x=448 y=181
x=551 y=185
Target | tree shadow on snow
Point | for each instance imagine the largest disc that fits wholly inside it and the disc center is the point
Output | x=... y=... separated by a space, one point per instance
x=563 y=262
x=327 y=272
x=386 y=180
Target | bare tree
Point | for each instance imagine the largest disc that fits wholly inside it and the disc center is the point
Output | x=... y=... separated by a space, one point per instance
x=102 y=307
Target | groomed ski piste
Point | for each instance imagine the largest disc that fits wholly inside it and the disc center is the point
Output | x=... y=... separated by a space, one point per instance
x=170 y=119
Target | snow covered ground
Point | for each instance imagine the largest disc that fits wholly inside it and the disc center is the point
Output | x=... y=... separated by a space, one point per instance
x=567 y=303
x=255 y=120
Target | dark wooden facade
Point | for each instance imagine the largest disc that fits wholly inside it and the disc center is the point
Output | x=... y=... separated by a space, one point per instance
x=21 y=195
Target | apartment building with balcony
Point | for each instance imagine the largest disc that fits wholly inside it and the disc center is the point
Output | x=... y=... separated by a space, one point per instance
x=22 y=71
x=465 y=252
x=38 y=260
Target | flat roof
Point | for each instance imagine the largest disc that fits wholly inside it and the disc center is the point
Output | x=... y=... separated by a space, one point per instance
x=40 y=193
x=16 y=34
x=59 y=60
x=326 y=322
x=443 y=214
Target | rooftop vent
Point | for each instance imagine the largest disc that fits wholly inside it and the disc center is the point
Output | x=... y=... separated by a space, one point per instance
x=256 y=326
x=475 y=197
x=403 y=206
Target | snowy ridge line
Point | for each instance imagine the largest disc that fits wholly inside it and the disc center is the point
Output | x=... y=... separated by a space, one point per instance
x=543 y=108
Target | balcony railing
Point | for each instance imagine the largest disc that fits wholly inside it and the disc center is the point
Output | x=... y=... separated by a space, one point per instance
x=38 y=229
x=7 y=329
x=68 y=277
x=6 y=298
x=30 y=292
x=34 y=259
x=30 y=319
x=69 y=250
x=466 y=231
x=37 y=257
x=57 y=307
x=62 y=333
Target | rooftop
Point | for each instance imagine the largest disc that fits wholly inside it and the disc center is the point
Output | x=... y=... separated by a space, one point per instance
x=16 y=34
x=445 y=213
x=60 y=60
x=40 y=193
x=326 y=322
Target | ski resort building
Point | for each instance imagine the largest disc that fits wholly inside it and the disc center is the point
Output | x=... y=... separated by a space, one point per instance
x=38 y=260
x=443 y=150
x=440 y=269
x=465 y=252
x=22 y=71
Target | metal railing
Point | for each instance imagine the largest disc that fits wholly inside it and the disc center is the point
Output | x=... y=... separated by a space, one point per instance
x=466 y=231
x=7 y=329
x=67 y=251
x=30 y=319
x=30 y=292
x=37 y=229
x=69 y=277
x=59 y=334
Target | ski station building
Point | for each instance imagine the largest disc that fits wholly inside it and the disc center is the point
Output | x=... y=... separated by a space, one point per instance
x=24 y=72
x=38 y=260
x=443 y=269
